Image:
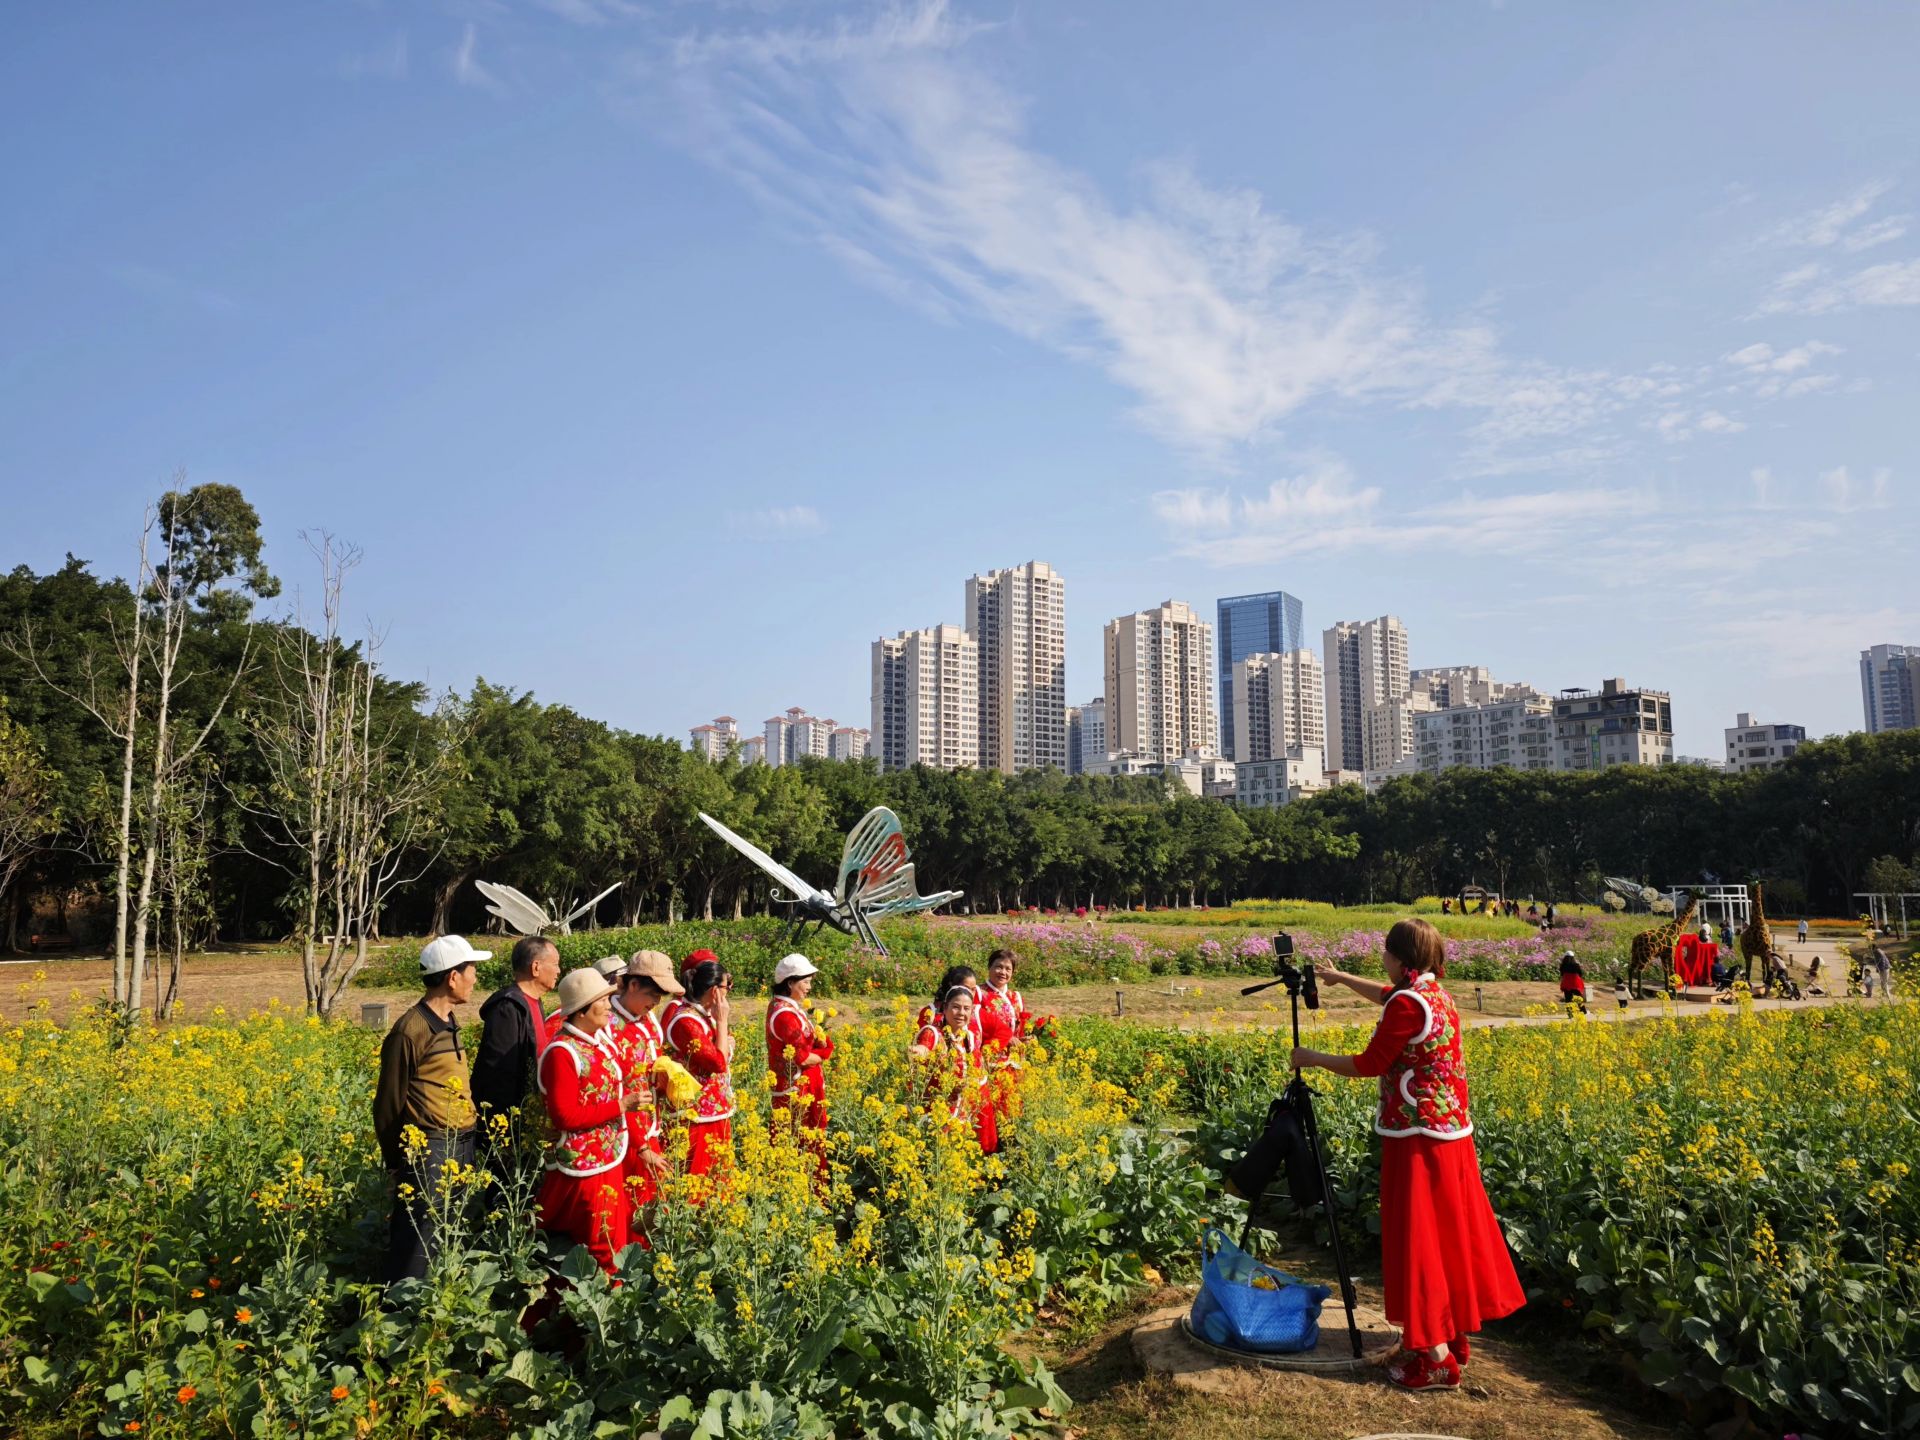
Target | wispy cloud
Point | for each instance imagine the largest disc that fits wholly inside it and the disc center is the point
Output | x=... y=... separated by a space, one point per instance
x=1324 y=511
x=778 y=520
x=1846 y=493
x=383 y=62
x=467 y=68
x=1819 y=287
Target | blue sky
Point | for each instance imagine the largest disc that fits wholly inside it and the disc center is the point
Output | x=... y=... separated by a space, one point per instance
x=660 y=356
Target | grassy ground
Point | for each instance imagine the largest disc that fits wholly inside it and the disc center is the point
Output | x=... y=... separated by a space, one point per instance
x=1529 y=1378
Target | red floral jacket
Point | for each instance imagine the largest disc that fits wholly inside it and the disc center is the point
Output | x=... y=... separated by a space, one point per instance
x=696 y=1044
x=1415 y=1050
x=636 y=1042
x=791 y=1029
x=581 y=1079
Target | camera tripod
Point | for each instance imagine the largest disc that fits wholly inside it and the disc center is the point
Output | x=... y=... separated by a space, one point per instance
x=1299 y=1095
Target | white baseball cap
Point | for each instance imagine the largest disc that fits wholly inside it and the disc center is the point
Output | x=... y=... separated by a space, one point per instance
x=792 y=968
x=448 y=952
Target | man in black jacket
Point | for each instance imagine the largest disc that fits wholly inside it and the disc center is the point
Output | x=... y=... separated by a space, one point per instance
x=513 y=1033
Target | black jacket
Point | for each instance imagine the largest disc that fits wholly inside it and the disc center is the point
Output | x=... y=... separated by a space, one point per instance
x=509 y=1047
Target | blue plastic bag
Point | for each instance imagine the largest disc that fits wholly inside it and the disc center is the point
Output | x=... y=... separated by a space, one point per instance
x=1233 y=1312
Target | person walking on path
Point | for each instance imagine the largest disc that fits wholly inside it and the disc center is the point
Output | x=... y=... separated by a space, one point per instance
x=423 y=1113
x=1803 y=932
x=1444 y=1261
x=514 y=1030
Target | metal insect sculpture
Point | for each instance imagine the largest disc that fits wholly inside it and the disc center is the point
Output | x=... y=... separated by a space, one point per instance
x=876 y=879
x=525 y=917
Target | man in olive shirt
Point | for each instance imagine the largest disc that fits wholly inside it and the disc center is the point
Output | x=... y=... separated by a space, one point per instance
x=423 y=1086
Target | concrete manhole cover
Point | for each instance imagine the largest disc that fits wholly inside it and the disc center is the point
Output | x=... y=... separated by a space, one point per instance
x=1163 y=1346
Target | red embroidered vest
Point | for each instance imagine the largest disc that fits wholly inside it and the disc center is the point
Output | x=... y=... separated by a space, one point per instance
x=596 y=1147
x=692 y=1031
x=791 y=1074
x=636 y=1042
x=952 y=1060
x=1002 y=1017
x=1424 y=1090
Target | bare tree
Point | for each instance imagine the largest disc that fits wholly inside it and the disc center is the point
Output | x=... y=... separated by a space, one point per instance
x=101 y=694
x=352 y=797
x=183 y=897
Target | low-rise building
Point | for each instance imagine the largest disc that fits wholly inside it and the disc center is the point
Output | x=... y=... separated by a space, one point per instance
x=1515 y=731
x=1754 y=745
x=1264 y=784
x=1614 y=725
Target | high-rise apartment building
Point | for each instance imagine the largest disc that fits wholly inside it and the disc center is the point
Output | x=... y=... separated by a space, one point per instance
x=1613 y=725
x=1265 y=624
x=1387 y=733
x=753 y=750
x=1279 y=706
x=1516 y=730
x=796 y=734
x=1159 y=666
x=848 y=743
x=711 y=741
x=1890 y=687
x=926 y=699
x=1017 y=618
x=1366 y=665
x=1755 y=745
x=1086 y=736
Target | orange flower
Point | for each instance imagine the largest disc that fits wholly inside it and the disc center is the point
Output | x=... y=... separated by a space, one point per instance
x=185 y=1393
x=132 y=1427
x=435 y=1388
x=339 y=1392
x=243 y=1315
x=213 y=1282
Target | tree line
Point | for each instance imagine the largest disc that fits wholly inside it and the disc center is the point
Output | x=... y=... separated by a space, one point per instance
x=178 y=767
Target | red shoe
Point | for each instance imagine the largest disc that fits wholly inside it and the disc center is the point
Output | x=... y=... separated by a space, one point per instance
x=1460 y=1349
x=1414 y=1371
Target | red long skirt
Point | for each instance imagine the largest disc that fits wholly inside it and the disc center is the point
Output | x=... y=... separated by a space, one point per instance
x=709 y=1145
x=1443 y=1259
x=590 y=1210
x=639 y=1182
x=987 y=1125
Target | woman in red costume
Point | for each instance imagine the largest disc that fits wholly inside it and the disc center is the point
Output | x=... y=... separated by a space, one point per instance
x=699 y=1039
x=644 y=982
x=1443 y=1259
x=949 y=1038
x=1003 y=1026
x=582 y=1196
x=797 y=1053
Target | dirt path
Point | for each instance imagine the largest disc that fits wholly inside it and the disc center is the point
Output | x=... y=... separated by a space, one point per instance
x=238 y=983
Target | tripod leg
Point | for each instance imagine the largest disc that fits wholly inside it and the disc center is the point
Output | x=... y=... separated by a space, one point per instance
x=1310 y=1124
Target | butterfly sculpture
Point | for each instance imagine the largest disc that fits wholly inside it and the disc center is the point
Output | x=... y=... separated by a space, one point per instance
x=525 y=917
x=876 y=879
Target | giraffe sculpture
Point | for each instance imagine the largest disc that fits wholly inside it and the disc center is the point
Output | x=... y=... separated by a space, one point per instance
x=1756 y=940
x=1657 y=944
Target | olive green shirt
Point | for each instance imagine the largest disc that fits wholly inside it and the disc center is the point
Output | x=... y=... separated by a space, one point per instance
x=423 y=1081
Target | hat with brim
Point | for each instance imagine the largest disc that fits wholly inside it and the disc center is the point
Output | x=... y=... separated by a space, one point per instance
x=580 y=988
x=449 y=952
x=793 y=968
x=654 y=967
x=610 y=966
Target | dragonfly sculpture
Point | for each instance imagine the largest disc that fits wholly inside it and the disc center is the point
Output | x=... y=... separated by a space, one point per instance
x=527 y=918
x=876 y=879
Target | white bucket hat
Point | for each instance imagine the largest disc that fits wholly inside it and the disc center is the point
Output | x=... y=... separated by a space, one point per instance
x=447 y=952
x=792 y=968
x=580 y=988
x=611 y=965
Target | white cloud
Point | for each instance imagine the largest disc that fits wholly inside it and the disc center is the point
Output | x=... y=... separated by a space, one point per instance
x=1714 y=423
x=1763 y=357
x=778 y=520
x=1829 y=224
x=1762 y=478
x=1324 y=512
x=1878 y=233
x=1846 y=494
x=467 y=68
x=383 y=62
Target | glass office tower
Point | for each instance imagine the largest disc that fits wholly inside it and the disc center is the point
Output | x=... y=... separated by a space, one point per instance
x=1252 y=625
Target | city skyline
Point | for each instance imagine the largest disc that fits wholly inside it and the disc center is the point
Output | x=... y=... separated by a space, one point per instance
x=614 y=339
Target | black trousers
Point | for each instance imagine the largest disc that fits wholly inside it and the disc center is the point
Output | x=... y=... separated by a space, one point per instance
x=413 y=1228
